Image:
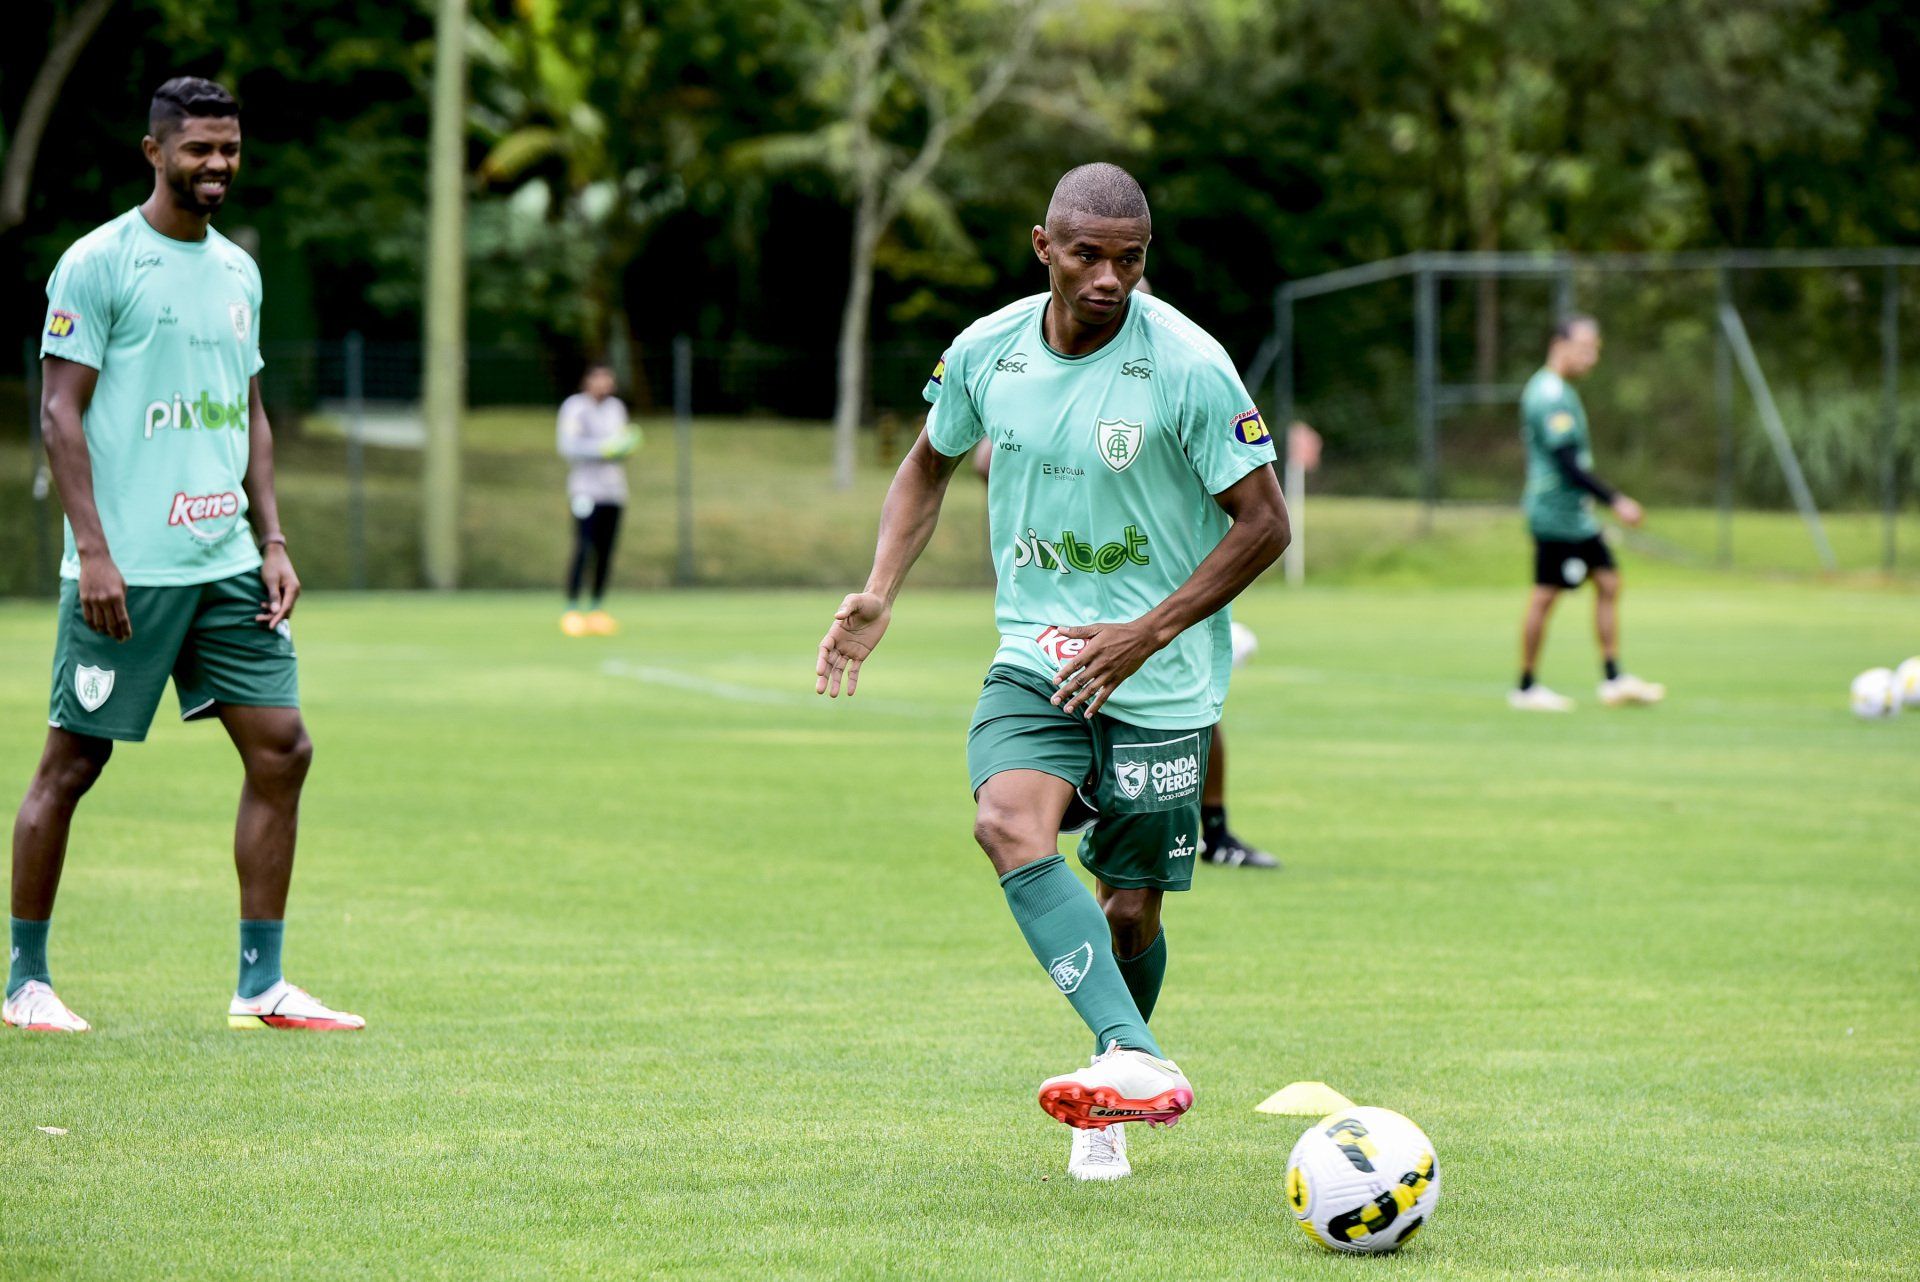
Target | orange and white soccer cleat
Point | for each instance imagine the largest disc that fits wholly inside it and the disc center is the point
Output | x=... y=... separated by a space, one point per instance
x=1122 y=1085
x=38 y=1009
x=284 y=1006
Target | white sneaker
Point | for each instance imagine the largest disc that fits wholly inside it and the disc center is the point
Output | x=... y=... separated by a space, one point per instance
x=1099 y=1155
x=284 y=1006
x=1122 y=1085
x=1537 y=698
x=1627 y=690
x=38 y=1009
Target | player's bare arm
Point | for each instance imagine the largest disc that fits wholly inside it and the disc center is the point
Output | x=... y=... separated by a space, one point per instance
x=276 y=567
x=1115 y=651
x=67 y=391
x=907 y=521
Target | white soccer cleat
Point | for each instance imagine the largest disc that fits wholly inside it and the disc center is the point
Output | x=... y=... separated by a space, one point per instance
x=38 y=1009
x=284 y=1006
x=1123 y=1085
x=1627 y=691
x=1099 y=1155
x=1537 y=698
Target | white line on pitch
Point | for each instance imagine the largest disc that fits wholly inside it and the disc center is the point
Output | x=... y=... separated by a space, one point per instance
x=752 y=694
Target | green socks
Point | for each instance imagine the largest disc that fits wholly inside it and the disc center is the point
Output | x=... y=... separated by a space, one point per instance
x=29 y=954
x=259 y=956
x=1145 y=973
x=1068 y=935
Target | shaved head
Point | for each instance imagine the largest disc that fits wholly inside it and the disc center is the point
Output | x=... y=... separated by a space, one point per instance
x=1100 y=190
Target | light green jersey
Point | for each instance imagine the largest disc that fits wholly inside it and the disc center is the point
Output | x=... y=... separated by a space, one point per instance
x=1101 y=497
x=1551 y=418
x=173 y=327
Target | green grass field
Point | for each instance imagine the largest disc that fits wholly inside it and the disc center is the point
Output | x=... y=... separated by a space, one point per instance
x=673 y=970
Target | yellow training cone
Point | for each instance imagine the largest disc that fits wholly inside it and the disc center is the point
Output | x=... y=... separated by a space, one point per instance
x=1304 y=1099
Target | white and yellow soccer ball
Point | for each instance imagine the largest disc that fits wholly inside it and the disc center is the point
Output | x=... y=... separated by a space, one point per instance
x=1875 y=694
x=1362 y=1181
x=1906 y=682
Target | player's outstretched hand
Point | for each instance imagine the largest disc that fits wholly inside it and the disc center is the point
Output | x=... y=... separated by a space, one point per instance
x=1112 y=653
x=1627 y=510
x=858 y=625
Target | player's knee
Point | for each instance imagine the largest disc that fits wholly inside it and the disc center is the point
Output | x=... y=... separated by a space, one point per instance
x=1134 y=921
x=284 y=762
x=1002 y=831
x=70 y=775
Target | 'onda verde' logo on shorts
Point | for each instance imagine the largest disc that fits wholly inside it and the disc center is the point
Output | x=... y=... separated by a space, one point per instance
x=186 y=413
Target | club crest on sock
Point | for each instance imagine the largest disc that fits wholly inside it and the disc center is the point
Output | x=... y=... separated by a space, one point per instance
x=1068 y=970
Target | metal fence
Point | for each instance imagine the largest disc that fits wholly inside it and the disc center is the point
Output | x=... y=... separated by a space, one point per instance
x=733 y=485
x=1735 y=379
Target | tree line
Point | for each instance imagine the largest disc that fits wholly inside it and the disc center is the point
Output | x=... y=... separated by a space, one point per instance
x=824 y=173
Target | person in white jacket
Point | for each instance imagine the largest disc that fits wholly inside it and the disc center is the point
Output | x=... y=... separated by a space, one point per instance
x=594 y=438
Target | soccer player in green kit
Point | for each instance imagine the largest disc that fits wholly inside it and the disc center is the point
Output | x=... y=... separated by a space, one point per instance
x=160 y=448
x=1133 y=498
x=1567 y=547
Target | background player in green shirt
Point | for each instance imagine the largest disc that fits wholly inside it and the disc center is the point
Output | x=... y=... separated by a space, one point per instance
x=1133 y=497
x=1567 y=546
x=160 y=448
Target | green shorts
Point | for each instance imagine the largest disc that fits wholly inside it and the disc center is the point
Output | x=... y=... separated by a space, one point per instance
x=203 y=636
x=1144 y=783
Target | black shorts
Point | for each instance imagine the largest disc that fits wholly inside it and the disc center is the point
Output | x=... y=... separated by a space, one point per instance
x=1561 y=563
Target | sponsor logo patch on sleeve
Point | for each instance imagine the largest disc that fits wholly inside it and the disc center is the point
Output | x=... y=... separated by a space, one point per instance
x=1560 y=423
x=62 y=323
x=1250 y=429
x=939 y=375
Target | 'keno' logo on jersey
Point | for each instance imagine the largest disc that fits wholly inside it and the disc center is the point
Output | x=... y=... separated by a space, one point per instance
x=1058 y=646
x=190 y=510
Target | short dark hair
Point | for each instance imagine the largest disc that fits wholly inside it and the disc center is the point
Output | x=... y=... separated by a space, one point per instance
x=1100 y=189
x=1564 y=327
x=185 y=97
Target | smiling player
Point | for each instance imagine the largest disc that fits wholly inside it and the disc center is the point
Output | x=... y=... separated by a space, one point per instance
x=1132 y=499
x=160 y=448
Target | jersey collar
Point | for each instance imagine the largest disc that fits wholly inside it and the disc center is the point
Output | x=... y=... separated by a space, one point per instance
x=1127 y=326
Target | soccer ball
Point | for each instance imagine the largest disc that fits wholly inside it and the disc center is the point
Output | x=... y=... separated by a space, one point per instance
x=1245 y=644
x=1875 y=694
x=1906 y=682
x=1362 y=1181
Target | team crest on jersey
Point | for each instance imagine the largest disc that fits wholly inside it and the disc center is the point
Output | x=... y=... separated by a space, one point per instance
x=1118 y=442
x=92 y=686
x=1250 y=429
x=62 y=324
x=1560 y=423
x=939 y=375
x=242 y=316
